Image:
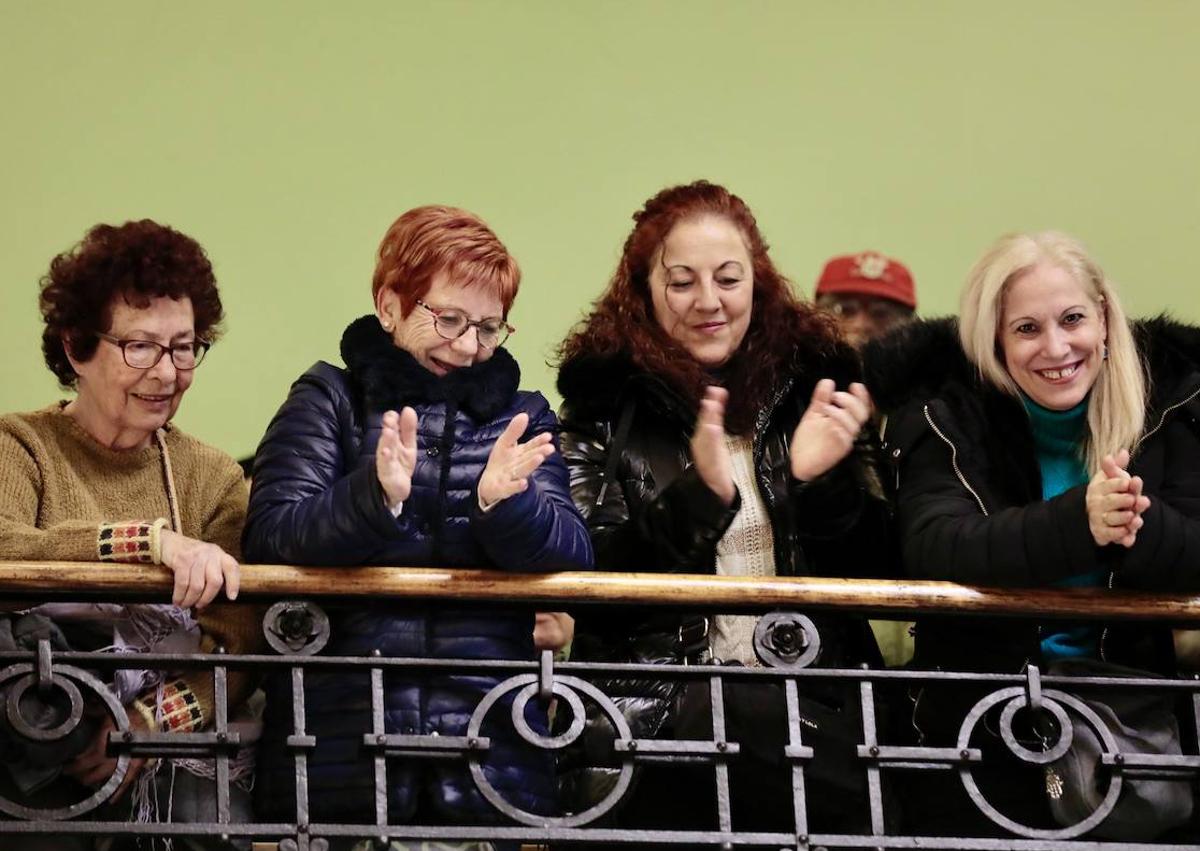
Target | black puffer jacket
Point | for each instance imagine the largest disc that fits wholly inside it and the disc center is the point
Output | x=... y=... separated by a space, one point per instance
x=969 y=494
x=317 y=500
x=648 y=511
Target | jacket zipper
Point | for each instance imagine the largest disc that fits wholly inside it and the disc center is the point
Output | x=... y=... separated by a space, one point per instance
x=916 y=701
x=954 y=460
x=1104 y=632
x=1163 y=418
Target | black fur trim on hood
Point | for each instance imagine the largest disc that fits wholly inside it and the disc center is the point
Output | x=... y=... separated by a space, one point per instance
x=916 y=360
x=391 y=377
x=1171 y=353
x=593 y=385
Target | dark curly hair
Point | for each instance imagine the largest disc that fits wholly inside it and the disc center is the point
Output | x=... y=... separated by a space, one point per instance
x=783 y=329
x=136 y=261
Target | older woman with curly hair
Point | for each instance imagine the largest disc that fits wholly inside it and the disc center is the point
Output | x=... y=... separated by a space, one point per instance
x=129 y=314
x=711 y=424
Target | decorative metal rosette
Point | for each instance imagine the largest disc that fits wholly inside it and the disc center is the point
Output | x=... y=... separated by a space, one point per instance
x=786 y=640
x=296 y=627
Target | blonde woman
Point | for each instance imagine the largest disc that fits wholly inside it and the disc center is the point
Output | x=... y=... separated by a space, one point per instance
x=1041 y=441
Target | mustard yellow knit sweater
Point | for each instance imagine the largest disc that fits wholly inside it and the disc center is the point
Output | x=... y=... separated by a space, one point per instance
x=64 y=497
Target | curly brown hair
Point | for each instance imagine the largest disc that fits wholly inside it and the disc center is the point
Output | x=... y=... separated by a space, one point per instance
x=782 y=327
x=137 y=261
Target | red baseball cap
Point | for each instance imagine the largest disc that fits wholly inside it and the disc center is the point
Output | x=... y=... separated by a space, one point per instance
x=868 y=273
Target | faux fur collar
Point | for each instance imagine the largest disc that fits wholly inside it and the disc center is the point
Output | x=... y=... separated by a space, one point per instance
x=1171 y=352
x=391 y=378
x=594 y=385
x=916 y=361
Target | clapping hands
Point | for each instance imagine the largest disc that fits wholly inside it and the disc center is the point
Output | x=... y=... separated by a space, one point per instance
x=1115 y=502
x=828 y=429
x=710 y=453
x=396 y=455
x=510 y=463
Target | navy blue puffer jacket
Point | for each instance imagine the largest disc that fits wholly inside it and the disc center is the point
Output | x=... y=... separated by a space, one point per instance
x=316 y=500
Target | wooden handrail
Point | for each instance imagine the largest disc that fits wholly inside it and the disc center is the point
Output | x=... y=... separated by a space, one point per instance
x=900 y=599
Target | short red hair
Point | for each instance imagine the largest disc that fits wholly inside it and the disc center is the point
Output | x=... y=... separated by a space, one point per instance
x=432 y=239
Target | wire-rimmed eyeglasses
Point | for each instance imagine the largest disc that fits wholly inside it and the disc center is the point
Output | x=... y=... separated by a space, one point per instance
x=451 y=323
x=145 y=354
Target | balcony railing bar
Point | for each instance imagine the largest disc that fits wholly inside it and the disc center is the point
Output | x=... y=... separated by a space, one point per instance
x=898 y=598
x=107 y=661
x=530 y=679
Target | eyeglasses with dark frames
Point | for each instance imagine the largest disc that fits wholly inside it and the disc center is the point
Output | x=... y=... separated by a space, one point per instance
x=451 y=323
x=145 y=354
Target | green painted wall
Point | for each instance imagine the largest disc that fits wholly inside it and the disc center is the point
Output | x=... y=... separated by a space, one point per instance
x=286 y=136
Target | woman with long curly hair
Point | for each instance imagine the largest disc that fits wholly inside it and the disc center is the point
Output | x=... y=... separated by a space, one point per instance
x=711 y=423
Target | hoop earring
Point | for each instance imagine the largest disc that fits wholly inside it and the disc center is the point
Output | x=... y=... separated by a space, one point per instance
x=1104 y=356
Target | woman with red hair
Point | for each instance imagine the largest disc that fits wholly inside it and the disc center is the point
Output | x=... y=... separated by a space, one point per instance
x=421 y=451
x=711 y=424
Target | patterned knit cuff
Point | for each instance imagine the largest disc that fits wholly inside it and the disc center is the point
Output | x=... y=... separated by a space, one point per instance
x=131 y=541
x=180 y=709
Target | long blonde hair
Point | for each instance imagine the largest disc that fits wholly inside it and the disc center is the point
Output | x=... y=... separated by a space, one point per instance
x=1117 y=411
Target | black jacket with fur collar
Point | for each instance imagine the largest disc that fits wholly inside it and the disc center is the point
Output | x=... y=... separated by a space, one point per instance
x=625 y=438
x=648 y=510
x=969 y=504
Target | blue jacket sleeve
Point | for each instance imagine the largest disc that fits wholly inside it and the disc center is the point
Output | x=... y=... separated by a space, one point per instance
x=538 y=529
x=304 y=508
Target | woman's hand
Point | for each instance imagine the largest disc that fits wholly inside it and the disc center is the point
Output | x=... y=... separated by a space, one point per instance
x=93 y=766
x=200 y=570
x=510 y=463
x=1115 y=502
x=553 y=630
x=828 y=429
x=396 y=455
x=710 y=453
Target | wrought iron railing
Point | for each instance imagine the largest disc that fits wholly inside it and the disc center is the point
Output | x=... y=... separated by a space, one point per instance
x=296 y=628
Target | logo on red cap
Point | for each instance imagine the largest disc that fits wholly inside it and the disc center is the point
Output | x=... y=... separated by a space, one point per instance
x=868 y=273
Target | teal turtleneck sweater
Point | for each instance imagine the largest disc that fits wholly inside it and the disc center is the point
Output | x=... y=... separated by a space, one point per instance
x=1057 y=439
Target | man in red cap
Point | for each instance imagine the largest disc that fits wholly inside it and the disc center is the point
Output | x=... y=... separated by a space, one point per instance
x=870 y=294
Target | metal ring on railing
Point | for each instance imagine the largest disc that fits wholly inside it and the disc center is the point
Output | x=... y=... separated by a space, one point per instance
x=562 y=686
x=1018 y=700
x=563 y=739
x=61 y=676
x=1066 y=730
x=31 y=731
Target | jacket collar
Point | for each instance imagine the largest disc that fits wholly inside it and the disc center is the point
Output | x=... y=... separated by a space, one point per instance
x=391 y=378
x=1171 y=352
x=917 y=361
x=595 y=386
